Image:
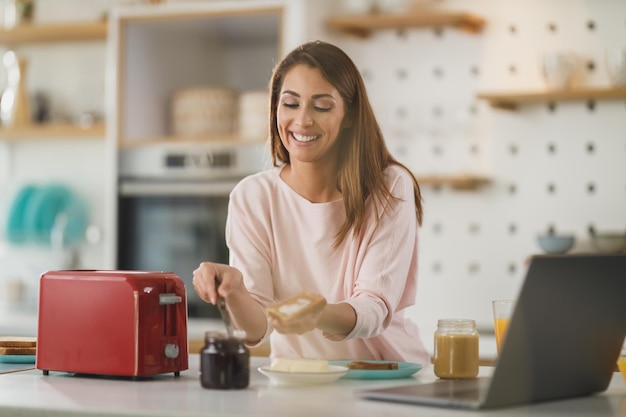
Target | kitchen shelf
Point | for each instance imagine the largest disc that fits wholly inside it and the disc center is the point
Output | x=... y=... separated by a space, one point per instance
x=125 y=143
x=51 y=131
x=511 y=100
x=53 y=32
x=363 y=25
x=457 y=182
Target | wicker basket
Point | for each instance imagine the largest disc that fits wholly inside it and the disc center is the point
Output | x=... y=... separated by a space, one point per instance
x=253 y=115
x=204 y=111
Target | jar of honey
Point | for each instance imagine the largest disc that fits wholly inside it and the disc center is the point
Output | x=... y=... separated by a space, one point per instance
x=456 y=349
x=225 y=361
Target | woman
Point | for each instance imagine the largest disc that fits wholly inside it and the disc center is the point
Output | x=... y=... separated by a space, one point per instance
x=337 y=216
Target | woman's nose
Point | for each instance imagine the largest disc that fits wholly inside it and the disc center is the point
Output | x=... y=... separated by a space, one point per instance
x=304 y=117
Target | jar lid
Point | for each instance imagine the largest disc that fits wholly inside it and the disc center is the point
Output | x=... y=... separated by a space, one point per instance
x=240 y=334
x=215 y=335
x=456 y=323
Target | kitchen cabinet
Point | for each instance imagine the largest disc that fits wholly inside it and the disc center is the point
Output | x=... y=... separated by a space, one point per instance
x=28 y=34
x=363 y=25
x=156 y=52
x=512 y=100
x=165 y=50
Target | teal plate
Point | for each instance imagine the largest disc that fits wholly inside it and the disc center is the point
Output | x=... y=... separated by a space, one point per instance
x=405 y=370
x=17 y=358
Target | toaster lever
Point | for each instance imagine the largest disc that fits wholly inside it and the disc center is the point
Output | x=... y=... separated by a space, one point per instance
x=169 y=298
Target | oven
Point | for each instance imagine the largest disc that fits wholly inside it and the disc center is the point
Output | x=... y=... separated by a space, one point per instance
x=172 y=206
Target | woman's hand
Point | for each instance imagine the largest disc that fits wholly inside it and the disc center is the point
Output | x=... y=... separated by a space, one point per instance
x=335 y=321
x=210 y=278
x=304 y=324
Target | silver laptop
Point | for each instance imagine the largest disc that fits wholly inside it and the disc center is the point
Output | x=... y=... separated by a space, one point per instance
x=563 y=340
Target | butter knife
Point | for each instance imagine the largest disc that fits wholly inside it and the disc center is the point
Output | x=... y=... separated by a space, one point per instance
x=221 y=306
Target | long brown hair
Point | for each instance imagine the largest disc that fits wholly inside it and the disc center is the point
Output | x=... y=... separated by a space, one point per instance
x=363 y=155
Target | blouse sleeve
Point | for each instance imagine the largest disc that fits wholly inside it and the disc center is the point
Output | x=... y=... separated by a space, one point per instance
x=386 y=281
x=247 y=241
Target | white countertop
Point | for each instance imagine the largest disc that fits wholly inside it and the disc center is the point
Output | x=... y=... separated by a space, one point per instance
x=30 y=393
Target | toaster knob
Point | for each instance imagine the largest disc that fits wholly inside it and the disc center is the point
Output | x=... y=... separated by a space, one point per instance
x=171 y=351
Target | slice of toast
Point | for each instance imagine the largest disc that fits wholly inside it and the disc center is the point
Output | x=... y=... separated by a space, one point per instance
x=18 y=341
x=293 y=308
x=372 y=365
x=18 y=350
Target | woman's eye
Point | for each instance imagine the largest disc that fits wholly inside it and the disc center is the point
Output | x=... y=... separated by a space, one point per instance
x=290 y=105
x=323 y=109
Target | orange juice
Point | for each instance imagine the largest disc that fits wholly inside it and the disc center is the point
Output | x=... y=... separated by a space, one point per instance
x=500 y=325
x=621 y=363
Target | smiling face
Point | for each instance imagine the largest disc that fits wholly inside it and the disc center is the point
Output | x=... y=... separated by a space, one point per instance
x=310 y=116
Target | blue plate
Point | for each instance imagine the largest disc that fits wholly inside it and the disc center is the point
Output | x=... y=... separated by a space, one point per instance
x=17 y=358
x=405 y=370
x=16 y=227
x=41 y=213
x=46 y=205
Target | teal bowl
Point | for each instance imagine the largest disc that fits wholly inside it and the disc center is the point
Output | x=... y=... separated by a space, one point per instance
x=556 y=244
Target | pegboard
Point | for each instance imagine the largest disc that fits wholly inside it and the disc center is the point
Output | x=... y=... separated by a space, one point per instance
x=559 y=165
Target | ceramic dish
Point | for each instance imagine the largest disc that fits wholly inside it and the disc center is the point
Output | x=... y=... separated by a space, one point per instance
x=17 y=358
x=556 y=244
x=41 y=215
x=304 y=378
x=405 y=370
x=16 y=228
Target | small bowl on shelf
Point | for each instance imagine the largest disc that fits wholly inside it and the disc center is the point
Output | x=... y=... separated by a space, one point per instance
x=608 y=242
x=556 y=244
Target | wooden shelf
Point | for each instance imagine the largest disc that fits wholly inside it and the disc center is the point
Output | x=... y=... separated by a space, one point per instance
x=51 y=131
x=58 y=32
x=125 y=143
x=511 y=100
x=363 y=25
x=459 y=182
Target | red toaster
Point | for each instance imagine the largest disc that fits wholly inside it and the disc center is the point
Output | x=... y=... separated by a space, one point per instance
x=122 y=323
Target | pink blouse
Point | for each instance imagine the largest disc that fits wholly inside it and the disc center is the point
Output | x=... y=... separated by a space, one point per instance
x=283 y=244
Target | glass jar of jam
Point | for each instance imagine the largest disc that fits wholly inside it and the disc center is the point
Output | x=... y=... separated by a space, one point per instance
x=456 y=349
x=225 y=361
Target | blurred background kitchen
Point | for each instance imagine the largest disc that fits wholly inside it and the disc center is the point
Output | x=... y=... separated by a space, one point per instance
x=126 y=123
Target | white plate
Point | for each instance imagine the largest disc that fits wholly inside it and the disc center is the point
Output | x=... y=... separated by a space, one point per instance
x=304 y=378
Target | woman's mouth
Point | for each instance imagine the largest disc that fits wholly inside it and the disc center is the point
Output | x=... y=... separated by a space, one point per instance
x=304 y=138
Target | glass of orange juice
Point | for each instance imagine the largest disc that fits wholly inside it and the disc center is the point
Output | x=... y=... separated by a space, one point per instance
x=621 y=362
x=502 y=311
